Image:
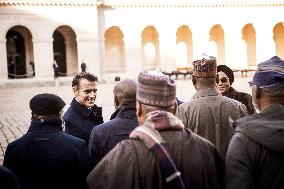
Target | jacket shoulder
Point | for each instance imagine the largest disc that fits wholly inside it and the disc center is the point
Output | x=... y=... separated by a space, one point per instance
x=69 y=112
x=72 y=139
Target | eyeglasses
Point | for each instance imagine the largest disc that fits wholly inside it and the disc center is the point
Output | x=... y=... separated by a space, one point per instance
x=223 y=80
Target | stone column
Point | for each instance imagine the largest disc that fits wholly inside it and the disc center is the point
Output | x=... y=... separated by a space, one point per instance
x=72 y=65
x=265 y=45
x=88 y=51
x=133 y=53
x=200 y=40
x=101 y=42
x=235 y=47
x=43 y=58
x=167 y=43
x=3 y=60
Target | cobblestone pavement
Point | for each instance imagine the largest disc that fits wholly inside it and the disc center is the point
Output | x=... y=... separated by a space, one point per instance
x=15 y=113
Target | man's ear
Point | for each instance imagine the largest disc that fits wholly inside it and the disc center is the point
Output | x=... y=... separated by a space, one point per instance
x=75 y=89
x=193 y=80
x=257 y=92
x=116 y=101
x=138 y=109
x=175 y=108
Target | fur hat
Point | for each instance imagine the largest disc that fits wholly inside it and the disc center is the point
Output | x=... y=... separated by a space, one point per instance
x=205 y=67
x=156 y=89
x=270 y=74
x=46 y=104
x=227 y=71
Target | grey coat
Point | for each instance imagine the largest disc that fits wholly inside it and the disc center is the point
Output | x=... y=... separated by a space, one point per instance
x=210 y=115
x=255 y=157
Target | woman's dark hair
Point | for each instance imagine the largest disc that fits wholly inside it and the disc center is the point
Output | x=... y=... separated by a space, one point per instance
x=227 y=71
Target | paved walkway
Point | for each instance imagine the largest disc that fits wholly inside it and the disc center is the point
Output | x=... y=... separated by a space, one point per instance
x=15 y=113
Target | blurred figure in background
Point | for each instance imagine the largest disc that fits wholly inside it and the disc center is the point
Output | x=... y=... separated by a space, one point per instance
x=83 y=67
x=55 y=69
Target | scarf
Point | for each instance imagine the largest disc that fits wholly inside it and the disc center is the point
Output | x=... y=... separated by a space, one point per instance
x=148 y=133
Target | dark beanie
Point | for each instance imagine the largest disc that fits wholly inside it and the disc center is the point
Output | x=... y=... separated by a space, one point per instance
x=46 y=104
x=227 y=71
x=156 y=90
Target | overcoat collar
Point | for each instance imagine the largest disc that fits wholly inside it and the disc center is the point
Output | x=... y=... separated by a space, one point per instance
x=206 y=92
x=83 y=110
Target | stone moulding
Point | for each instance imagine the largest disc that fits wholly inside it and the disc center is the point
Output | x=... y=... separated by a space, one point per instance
x=170 y=4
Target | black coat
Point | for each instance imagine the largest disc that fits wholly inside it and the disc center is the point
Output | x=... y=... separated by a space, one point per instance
x=46 y=157
x=255 y=157
x=242 y=97
x=105 y=136
x=79 y=120
x=8 y=180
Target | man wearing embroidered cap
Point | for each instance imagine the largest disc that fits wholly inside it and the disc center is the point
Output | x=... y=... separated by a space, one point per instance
x=255 y=156
x=160 y=153
x=208 y=113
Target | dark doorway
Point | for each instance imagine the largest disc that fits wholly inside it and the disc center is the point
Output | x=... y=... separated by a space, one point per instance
x=59 y=49
x=16 y=55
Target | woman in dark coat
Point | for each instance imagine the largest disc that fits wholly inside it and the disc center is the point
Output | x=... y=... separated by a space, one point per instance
x=224 y=86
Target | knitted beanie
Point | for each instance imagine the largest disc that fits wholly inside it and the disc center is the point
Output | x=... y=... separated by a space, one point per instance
x=205 y=67
x=156 y=89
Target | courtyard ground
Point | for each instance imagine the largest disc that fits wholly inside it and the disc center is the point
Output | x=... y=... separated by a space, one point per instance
x=15 y=114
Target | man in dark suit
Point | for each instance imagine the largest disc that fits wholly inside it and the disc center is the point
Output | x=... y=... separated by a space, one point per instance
x=83 y=114
x=105 y=136
x=46 y=157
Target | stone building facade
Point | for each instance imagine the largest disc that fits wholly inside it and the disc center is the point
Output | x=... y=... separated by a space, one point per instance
x=120 y=38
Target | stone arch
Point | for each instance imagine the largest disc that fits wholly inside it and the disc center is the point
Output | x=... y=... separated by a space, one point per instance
x=278 y=36
x=184 y=37
x=65 y=50
x=114 y=50
x=217 y=35
x=20 y=55
x=248 y=35
x=150 y=43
